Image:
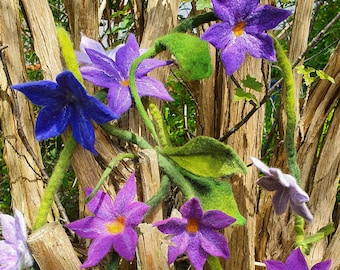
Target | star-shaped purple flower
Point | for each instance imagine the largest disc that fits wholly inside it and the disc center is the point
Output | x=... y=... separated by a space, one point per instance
x=286 y=190
x=111 y=70
x=113 y=223
x=242 y=30
x=14 y=250
x=66 y=102
x=196 y=233
x=296 y=261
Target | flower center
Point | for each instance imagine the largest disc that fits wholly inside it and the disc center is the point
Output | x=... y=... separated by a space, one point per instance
x=239 y=28
x=192 y=225
x=125 y=83
x=116 y=226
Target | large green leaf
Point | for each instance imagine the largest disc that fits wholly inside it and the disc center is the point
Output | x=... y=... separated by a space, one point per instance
x=191 y=53
x=207 y=157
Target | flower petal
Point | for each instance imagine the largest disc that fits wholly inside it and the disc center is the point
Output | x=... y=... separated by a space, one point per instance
x=269 y=183
x=219 y=35
x=89 y=227
x=192 y=209
x=134 y=213
x=259 y=45
x=98 y=249
x=125 y=243
x=280 y=201
x=181 y=242
x=265 y=17
x=119 y=99
x=322 y=265
x=97 y=111
x=126 y=55
x=216 y=220
x=71 y=85
x=8 y=228
x=101 y=205
x=148 y=86
x=196 y=253
x=214 y=243
x=297 y=194
x=82 y=129
x=302 y=210
x=296 y=260
x=260 y=165
x=171 y=225
x=41 y=93
x=274 y=265
x=125 y=196
x=9 y=258
x=88 y=43
x=232 y=58
x=20 y=226
x=99 y=76
x=284 y=180
x=52 y=121
x=148 y=65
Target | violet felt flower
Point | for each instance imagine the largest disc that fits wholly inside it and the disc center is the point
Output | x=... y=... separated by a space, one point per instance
x=196 y=233
x=242 y=30
x=287 y=190
x=111 y=70
x=65 y=102
x=14 y=252
x=296 y=261
x=113 y=223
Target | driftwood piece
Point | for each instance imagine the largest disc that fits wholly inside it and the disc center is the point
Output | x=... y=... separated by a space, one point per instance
x=52 y=249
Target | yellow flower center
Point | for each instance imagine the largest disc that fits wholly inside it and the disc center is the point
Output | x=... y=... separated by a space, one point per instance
x=239 y=28
x=125 y=83
x=192 y=225
x=116 y=226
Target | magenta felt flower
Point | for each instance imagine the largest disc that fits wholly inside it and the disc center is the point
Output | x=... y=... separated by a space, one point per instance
x=242 y=30
x=287 y=190
x=14 y=252
x=196 y=233
x=113 y=223
x=111 y=70
x=296 y=261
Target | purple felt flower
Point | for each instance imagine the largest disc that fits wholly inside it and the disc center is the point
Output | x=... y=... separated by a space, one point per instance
x=286 y=190
x=113 y=223
x=196 y=233
x=242 y=30
x=14 y=252
x=111 y=70
x=65 y=102
x=296 y=261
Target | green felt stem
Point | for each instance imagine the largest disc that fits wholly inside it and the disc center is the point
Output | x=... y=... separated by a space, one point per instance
x=161 y=194
x=107 y=172
x=133 y=89
x=194 y=22
x=55 y=182
x=214 y=263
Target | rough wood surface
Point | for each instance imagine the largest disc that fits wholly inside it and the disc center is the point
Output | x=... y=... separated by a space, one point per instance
x=52 y=249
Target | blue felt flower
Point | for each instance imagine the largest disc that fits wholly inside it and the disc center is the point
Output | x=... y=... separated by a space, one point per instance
x=242 y=30
x=65 y=102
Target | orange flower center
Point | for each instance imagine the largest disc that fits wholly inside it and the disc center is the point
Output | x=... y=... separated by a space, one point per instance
x=125 y=83
x=116 y=226
x=192 y=225
x=239 y=28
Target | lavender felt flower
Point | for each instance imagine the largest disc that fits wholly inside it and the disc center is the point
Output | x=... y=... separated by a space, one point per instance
x=242 y=30
x=196 y=233
x=14 y=252
x=65 y=102
x=286 y=190
x=111 y=70
x=296 y=261
x=113 y=224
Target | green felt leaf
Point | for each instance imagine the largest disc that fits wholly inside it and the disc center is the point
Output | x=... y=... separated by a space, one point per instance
x=202 y=4
x=252 y=83
x=191 y=53
x=207 y=157
x=215 y=195
x=240 y=94
x=323 y=76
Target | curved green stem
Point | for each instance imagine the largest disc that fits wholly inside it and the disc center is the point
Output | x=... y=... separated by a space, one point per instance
x=194 y=22
x=55 y=182
x=107 y=172
x=162 y=192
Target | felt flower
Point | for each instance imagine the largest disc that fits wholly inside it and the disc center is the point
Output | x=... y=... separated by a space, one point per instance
x=242 y=30
x=14 y=252
x=113 y=223
x=196 y=233
x=111 y=70
x=287 y=190
x=65 y=102
x=296 y=261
